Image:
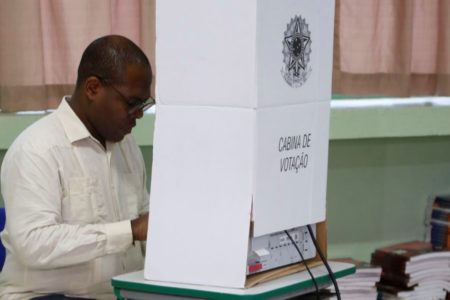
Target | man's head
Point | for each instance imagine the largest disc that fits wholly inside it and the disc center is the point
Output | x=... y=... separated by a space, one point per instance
x=114 y=78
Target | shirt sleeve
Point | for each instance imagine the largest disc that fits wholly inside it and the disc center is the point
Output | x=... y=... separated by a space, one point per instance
x=144 y=196
x=37 y=234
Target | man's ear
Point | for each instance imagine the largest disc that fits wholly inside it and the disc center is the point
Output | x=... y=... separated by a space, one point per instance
x=92 y=87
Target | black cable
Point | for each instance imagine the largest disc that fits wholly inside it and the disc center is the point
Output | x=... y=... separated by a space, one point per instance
x=325 y=262
x=304 y=261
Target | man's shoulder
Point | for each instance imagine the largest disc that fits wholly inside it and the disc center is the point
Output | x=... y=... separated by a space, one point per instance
x=130 y=148
x=129 y=140
x=39 y=136
x=130 y=143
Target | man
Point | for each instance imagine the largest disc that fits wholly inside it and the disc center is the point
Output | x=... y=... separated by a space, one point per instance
x=74 y=184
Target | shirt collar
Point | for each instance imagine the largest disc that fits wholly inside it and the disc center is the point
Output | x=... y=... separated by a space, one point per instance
x=74 y=128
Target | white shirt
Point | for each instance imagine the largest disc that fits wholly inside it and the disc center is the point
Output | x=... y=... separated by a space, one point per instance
x=69 y=203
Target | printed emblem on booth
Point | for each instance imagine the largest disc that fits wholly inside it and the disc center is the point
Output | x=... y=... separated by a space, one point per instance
x=296 y=52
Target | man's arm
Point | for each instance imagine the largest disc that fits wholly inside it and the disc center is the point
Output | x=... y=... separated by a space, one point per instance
x=139 y=227
x=37 y=235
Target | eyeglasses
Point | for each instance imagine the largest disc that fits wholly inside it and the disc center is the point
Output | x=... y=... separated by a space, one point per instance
x=135 y=107
x=132 y=107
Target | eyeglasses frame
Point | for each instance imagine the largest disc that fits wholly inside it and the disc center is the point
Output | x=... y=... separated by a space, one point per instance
x=145 y=105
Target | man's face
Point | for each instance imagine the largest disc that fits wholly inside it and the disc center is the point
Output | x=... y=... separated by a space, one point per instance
x=115 y=114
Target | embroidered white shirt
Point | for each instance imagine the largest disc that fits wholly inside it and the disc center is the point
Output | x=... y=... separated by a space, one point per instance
x=69 y=202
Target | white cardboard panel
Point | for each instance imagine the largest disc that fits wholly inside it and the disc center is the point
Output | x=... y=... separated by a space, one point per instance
x=210 y=163
x=230 y=53
x=276 y=21
x=318 y=203
x=205 y=52
x=291 y=166
x=200 y=200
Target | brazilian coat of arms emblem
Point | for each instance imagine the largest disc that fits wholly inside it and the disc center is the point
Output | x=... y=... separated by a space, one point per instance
x=296 y=52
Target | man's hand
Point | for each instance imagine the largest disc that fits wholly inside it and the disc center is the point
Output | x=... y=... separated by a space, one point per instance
x=139 y=227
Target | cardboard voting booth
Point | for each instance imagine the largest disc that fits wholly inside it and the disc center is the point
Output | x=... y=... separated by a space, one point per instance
x=241 y=131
